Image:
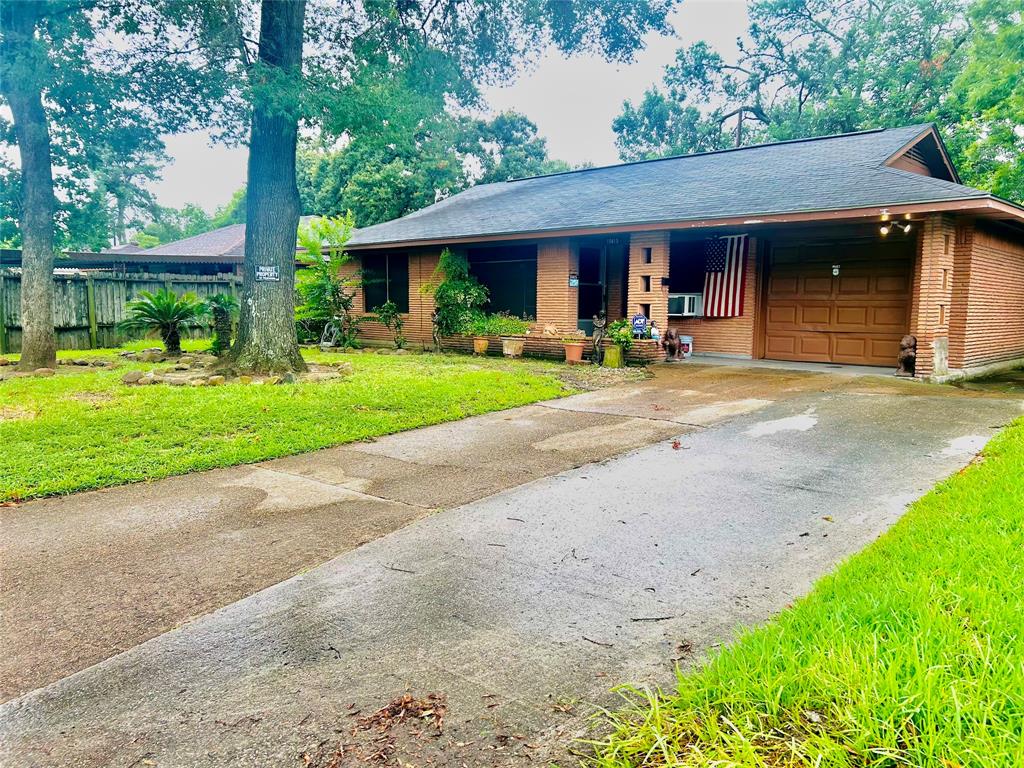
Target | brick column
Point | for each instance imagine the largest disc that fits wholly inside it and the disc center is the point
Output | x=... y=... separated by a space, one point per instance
x=648 y=263
x=963 y=244
x=557 y=303
x=933 y=291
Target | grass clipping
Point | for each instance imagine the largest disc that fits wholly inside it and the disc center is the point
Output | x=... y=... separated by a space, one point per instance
x=910 y=654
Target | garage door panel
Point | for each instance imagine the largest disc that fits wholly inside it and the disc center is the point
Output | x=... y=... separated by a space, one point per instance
x=854 y=285
x=856 y=317
x=851 y=317
x=817 y=286
x=893 y=319
x=815 y=314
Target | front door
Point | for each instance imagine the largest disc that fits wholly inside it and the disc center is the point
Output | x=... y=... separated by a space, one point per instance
x=592 y=286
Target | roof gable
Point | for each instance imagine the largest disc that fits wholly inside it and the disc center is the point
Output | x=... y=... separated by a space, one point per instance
x=926 y=155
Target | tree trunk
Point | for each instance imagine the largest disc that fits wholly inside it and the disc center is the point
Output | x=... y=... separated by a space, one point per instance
x=22 y=87
x=267 y=341
x=172 y=342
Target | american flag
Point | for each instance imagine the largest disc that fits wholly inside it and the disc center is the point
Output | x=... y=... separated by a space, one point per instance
x=725 y=272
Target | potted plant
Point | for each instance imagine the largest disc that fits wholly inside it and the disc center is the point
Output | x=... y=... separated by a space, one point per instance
x=479 y=329
x=512 y=330
x=620 y=336
x=573 y=343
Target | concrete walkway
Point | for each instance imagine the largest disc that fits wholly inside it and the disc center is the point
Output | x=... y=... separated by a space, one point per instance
x=520 y=606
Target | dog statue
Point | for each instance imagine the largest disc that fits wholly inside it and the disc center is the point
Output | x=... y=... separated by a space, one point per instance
x=600 y=321
x=672 y=345
x=907 y=358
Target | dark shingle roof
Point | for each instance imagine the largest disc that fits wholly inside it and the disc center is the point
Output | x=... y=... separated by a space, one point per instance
x=226 y=241
x=828 y=173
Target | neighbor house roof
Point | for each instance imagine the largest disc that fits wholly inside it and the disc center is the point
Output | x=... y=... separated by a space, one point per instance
x=216 y=244
x=833 y=173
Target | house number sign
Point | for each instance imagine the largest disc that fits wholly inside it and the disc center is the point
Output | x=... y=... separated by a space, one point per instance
x=268 y=273
x=835 y=270
x=574 y=280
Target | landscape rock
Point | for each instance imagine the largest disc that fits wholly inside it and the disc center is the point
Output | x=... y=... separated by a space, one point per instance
x=42 y=372
x=216 y=381
x=180 y=366
x=146 y=381
x=272 y=380
x=132 y=377
x=289 y=378
x=4 y=361
x=80 y=361
x=245 y=379
x=206 y=359
x=152 y=356
x=98 y=362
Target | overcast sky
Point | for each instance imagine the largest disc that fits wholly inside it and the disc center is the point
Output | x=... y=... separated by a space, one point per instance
x=572 y=101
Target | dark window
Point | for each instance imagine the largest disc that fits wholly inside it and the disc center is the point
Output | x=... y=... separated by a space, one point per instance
x=385 y=278
x=648 y=256
x=591 y=289
x=510 y=274
x=686 y=267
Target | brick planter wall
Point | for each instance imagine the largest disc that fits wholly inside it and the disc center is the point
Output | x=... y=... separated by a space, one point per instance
x=643 y=352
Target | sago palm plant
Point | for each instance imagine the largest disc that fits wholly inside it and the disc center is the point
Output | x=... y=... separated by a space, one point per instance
x=223 y=307
x=164 y=313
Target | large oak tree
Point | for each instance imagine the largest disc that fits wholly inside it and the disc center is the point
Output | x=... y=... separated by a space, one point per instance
x=460 y=42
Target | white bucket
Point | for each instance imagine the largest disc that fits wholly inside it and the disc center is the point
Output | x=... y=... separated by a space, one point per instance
x=686 y=342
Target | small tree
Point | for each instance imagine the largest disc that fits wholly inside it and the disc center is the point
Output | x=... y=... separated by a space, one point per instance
x=458 y=296
x=326 y=292
x=164 y=313
x=389 y=316
x=223 y=307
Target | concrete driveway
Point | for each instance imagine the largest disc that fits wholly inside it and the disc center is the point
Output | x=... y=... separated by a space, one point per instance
x=523 y=607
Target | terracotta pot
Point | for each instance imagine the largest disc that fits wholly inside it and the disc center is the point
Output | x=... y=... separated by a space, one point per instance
x=480 y=344
x=574 y=352
x=512 y=346
x=613 y=356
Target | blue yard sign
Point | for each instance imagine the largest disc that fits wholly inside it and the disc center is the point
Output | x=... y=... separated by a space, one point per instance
x=639 y=323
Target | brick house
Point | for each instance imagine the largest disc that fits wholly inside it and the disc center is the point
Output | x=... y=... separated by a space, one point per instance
x=823 y=250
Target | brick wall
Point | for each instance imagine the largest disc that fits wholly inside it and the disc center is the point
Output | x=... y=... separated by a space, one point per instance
x=418 y=320
x=930 y=309
x=989 y=324
x=727 y=335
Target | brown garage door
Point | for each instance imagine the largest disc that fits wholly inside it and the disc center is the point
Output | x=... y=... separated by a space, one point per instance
x=857 y=316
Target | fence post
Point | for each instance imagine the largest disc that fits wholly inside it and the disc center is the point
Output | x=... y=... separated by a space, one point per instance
x=3 y=317
x=90 y=296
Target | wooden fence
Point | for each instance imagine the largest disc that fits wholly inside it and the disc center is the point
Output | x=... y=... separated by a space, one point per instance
x=88 y=307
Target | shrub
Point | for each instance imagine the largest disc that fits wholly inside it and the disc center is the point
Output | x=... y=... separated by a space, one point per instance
x=165 y=313
x=223 y=307
x=620 y=332
x=499 y=324
x=325 y=294
x=458 y=297
x=390 y=318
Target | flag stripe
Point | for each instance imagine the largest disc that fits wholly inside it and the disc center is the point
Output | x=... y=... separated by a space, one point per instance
x=725 y=276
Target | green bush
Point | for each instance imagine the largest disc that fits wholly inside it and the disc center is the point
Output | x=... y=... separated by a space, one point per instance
x=500 y=324
x=164 y=313
x=458 y=297
x=620 y=332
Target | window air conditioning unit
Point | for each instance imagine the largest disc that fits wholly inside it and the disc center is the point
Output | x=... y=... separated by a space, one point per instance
x=684 y=304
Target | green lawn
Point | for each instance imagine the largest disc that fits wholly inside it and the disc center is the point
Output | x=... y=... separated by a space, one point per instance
x=83 y=429
x=910 y=654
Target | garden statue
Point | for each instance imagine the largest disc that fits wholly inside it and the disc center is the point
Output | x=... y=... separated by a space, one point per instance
x=907 y=359
x=672 y=345
x=600 y=321
x=435 y=331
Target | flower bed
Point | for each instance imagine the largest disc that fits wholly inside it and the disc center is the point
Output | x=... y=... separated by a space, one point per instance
x=643 y=352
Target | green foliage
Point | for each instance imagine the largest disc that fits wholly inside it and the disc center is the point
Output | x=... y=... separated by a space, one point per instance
x=620 y=332
x=87 y=430
x=224 y=308
x=817 y=67
x=389 y=316
x=326 y=292
x=458 y=297
x=163 y=313
x=908 y=655
x=381 y=176
x=498 y=324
